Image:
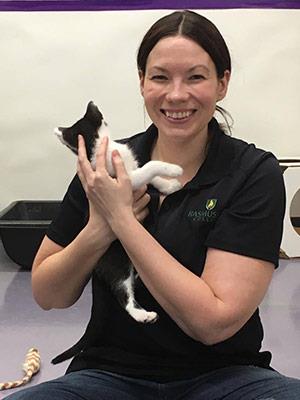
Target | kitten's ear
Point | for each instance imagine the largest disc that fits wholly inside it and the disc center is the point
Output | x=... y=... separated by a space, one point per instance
x=93 y=114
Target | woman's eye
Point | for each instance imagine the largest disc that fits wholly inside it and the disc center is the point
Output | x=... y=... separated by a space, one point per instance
x=197 y=77
x=159 y=78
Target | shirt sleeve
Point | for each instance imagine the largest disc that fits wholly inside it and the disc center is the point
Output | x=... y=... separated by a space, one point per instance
x=252 y=223
x=72 y=215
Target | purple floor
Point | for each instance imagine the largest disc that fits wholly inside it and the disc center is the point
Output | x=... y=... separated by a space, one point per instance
x=23 y=324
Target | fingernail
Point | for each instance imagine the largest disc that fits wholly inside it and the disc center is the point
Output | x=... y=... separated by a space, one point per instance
x=115 y=153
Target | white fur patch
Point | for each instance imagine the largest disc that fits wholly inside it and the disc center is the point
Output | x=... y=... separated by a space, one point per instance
x=139 y=314
x=127 y=156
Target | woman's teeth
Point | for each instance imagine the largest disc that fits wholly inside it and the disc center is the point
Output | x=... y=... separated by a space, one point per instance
x=178 y=115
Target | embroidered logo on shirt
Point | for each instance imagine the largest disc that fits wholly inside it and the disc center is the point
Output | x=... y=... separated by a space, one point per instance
x=209 y=214
x=211 y=204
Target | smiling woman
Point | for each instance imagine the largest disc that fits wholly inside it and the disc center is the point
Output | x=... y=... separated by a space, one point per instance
x=201 y=255
x=183 y=73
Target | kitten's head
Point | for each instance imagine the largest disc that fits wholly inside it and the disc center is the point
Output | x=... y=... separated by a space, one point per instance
x=88 y=127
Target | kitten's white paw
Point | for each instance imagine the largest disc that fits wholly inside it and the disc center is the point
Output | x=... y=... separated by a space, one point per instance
x=174 y=170
x=143 y=316
x=170 y=186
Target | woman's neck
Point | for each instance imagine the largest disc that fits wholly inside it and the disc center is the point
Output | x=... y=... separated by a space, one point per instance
x=189 y=154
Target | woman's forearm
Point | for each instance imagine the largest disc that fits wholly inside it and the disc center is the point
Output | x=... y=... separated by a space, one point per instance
x=59 y=279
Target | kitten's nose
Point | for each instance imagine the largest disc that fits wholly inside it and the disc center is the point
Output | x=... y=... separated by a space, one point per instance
x=57 y=132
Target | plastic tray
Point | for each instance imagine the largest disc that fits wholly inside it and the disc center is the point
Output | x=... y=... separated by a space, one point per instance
x=23 y=225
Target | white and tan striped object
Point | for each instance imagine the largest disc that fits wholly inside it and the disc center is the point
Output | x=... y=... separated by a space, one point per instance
x=30 y=367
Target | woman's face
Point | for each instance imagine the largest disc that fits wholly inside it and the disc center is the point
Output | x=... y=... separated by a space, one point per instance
x=181 y=88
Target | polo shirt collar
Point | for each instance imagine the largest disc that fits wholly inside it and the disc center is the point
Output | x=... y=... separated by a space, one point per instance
x=218 y=160
x=216 y=165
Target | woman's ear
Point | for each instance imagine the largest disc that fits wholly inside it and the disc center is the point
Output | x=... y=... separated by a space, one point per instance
x=223 y=85
x=142 y=81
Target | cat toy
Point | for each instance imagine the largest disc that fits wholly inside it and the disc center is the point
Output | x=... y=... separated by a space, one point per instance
x=30 y=367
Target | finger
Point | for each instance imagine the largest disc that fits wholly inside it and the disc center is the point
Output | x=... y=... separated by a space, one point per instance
x=141 y=203
x=81 y=176
x=83 y=162
x=84 y=168
x=138 y=193
x=81 y=146
x=119 y=166
x=140 y=216
x=101 y=154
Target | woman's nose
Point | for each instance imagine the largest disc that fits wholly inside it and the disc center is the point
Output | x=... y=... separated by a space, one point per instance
x=177 y=92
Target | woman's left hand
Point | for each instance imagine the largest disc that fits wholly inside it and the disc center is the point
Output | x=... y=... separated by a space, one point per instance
x=111 y=197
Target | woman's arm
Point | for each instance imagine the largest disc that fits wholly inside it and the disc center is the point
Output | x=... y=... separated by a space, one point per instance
x=59 y=274
x=210 y=308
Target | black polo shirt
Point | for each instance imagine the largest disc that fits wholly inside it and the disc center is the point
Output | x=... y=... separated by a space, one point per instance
x=235 y=203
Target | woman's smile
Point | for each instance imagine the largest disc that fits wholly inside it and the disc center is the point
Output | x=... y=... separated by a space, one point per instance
x=178 y=116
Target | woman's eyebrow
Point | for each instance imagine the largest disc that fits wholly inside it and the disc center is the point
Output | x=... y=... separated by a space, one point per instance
x=202 y=66
x=162 y=69
x=156 y=67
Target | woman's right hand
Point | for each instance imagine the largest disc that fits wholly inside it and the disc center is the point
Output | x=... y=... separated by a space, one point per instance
x=140 y=209
x=140 y=203
x=96 y=219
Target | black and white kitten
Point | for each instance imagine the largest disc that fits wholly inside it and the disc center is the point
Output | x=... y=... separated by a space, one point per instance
x=92 y=127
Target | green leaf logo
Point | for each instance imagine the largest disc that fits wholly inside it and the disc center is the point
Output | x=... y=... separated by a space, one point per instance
x=211 y=204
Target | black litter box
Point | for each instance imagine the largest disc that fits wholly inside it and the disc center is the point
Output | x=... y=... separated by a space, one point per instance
x=23 y=225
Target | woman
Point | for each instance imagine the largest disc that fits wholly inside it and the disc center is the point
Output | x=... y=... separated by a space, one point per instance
x=201 y=254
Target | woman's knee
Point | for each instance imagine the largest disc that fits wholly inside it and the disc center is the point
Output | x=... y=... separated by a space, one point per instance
x=288 y=389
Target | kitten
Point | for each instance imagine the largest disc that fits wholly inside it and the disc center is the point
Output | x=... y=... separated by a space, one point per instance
x=92 y=127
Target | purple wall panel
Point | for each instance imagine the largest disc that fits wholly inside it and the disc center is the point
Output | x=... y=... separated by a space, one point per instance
x=94 y=5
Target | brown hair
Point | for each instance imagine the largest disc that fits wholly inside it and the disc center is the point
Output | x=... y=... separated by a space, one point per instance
x=193 y=26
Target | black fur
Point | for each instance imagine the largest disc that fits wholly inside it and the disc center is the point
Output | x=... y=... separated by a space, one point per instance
x=87 y=126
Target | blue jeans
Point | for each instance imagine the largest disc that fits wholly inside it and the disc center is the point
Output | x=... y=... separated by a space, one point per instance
x=233 y=383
